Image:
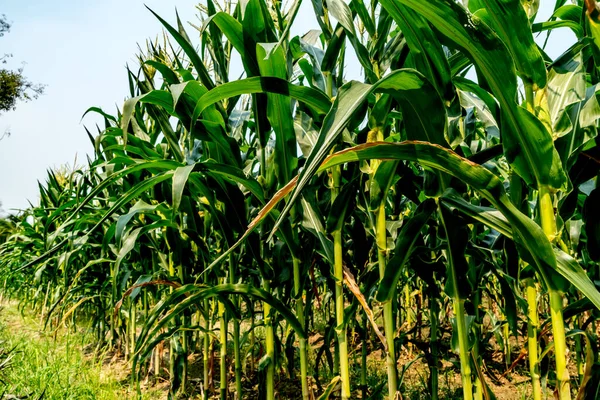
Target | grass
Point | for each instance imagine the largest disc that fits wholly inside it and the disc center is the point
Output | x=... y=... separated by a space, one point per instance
x=56 y=366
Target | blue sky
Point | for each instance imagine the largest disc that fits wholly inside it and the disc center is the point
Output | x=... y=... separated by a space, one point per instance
x=79 y=49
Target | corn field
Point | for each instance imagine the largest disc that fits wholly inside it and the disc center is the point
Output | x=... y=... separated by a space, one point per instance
x=441 y=207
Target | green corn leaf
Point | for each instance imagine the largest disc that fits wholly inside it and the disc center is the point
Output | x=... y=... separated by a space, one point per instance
x=350 y=98
x=168 y=74
x=234 y=31
x=427 y=52
x=180 y=178
x=566 y=87
x=333 y=50
x=152 y=165
x=551 y=25
x=101 y=112
x=570 y=12
x=486 y=215
x=511 y=23
x=423 y=111
x=510 y=305
x=313 y=98
x=279 y=111
x=130 y=195
x=313 y=221
x=189 y=51
x=333 y=384
x=340 y=207
x=381 y=182
x=306 y=133
x=342 y=12
x=128 y=243
x=233 y=174
x=593 y=17
x=139 y=207
x=157 y=97
x=528 y=145
x=361 y=10
x=467 y=85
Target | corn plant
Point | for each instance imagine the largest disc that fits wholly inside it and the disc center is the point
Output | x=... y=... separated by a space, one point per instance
x=453 y=185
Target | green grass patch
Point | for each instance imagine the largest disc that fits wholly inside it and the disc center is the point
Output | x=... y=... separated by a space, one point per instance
x=55 y=364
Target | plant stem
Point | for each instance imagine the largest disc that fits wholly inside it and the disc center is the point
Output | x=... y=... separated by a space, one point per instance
x=206 y=349
x=172 y=346
x=270 y=346
x=407 y=305
x=507 y=348
x=546 y=209
x=388 y=318
x=223 y=337
x=560 y=346
x=580 y=352
x=532 y=343
x=113 y=302
x=338 y=270
x=236 y=334
x=300 y=315
x=548 y=222
x=132 y=329
x=479 y=384
x=433 y=340
x=269 y=333
x=339 y=294
x=298 y=292
x=458 y=303
x=363 y=364
x=463 y=344
x=184 y=338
